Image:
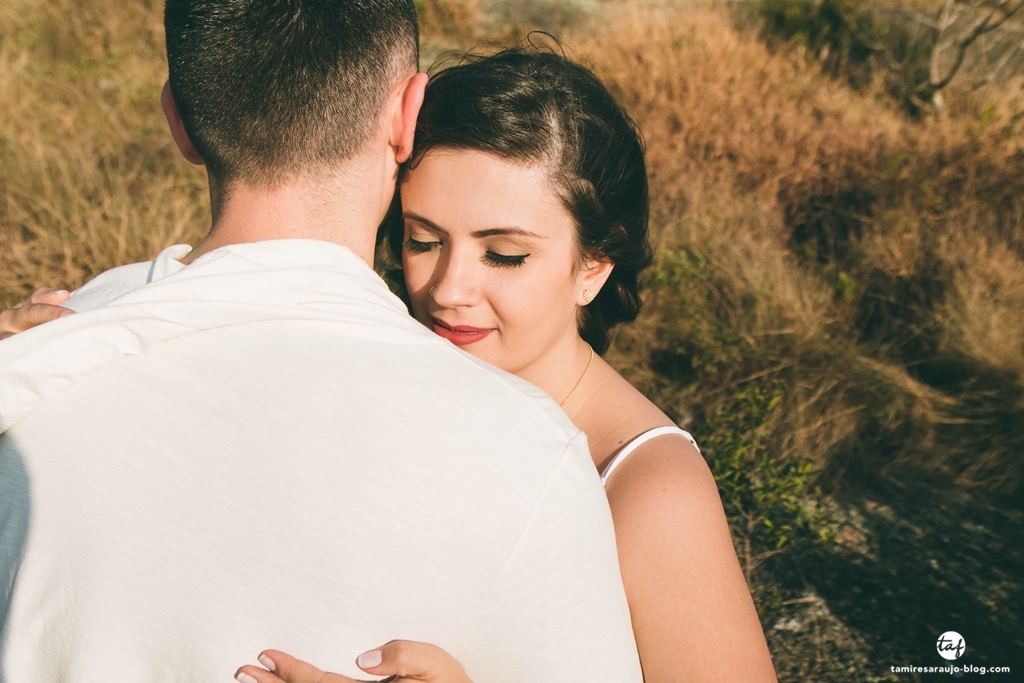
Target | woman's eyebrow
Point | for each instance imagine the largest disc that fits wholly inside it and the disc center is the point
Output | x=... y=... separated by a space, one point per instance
x=425 y=221
x=489 y=232
x=506 y=231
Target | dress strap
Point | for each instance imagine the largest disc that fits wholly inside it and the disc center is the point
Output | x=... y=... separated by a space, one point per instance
x=640 y=441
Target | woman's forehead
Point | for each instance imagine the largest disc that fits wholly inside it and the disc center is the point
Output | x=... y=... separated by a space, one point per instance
x=477 y=192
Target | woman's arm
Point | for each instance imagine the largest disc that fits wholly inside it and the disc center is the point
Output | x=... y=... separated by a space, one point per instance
x=400 y=660
x=692 y=613
x=40 y=307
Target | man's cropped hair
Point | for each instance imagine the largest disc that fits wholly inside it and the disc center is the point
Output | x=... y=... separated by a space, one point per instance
x=273 y=89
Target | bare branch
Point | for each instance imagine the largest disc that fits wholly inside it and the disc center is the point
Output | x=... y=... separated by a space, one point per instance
x=947 y=17
x=925 y=20
x=1007 y=10
x=984 y=25
x=994 y=70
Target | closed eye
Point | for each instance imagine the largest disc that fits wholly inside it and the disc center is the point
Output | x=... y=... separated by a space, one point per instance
x=504 y=260
x=418 y=247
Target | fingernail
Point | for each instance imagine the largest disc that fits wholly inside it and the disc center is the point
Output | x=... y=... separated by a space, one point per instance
x=243 y=677
x=267 y=662
x=61 y=291
x=370 y=659
x=66 y=314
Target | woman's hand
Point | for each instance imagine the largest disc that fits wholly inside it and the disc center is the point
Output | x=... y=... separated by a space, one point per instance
x=42 y=306
x=402 y=661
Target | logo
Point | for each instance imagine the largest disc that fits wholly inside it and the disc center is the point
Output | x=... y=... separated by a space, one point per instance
x=951 y=645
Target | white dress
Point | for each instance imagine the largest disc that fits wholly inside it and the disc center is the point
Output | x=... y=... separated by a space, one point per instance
x=641 y=440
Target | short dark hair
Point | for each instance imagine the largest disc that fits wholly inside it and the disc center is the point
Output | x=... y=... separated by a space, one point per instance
x=270 y=89
x=533 y=105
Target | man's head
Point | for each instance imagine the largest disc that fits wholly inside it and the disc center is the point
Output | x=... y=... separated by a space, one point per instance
x=270 y=90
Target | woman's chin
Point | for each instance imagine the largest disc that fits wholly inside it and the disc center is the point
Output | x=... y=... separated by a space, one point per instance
x=488 y=350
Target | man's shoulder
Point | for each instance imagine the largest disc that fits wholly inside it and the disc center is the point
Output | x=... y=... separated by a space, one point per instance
x=110 y=285
x=116 y=282
x=518 y=401
x=548 y=411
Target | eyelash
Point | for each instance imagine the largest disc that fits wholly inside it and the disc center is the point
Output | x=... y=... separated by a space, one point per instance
x=494 y=258
x=418 y=247
x=503 y=261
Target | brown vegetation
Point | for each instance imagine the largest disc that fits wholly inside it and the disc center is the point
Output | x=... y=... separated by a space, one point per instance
x=836 y=281
x=872 y=261
x=88 y=175
x=452 y=22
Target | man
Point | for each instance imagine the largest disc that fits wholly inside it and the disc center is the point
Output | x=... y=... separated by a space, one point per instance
x=252 y=445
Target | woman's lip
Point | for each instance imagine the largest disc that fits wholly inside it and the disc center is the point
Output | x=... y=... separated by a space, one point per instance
x=460 y=335
x=460 y=328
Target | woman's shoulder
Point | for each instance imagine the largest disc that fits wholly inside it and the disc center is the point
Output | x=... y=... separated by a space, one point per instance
x=638 y=447
x=662 y=464
x=638 y=443
x=621 y=422
x=664 y=491
x=678 y=564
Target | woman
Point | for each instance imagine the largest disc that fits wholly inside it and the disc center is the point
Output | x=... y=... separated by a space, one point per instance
x=523 y=230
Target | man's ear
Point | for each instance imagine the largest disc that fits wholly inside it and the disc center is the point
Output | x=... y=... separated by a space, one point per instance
x=403 y=121
x=181 y=138
x=592 y=276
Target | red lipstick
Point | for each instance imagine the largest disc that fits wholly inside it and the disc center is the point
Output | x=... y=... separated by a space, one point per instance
x=460 y=335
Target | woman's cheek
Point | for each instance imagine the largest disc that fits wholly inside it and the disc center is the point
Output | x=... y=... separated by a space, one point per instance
x=535 y=303
x=417 y=276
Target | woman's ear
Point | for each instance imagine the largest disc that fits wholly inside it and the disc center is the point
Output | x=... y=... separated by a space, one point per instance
x=593 y=276
x=174 y=122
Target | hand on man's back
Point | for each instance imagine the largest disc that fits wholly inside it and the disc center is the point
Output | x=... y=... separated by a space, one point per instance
x=42 y=306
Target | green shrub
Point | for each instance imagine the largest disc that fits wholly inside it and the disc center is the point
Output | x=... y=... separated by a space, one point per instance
x=834 y=31
x=855 y=42
x=769 y=493
x=771 y=501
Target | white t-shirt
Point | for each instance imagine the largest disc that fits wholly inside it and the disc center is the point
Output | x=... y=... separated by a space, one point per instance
x=263 y=450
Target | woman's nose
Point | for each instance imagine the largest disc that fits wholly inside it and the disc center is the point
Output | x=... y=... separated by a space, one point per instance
x=457 y=282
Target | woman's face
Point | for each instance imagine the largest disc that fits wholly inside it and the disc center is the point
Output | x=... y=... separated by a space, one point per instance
x=489 y=257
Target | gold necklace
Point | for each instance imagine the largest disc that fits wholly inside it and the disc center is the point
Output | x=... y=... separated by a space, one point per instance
x=581 y=377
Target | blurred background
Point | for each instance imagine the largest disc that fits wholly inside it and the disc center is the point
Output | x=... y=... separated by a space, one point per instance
x=837 y=305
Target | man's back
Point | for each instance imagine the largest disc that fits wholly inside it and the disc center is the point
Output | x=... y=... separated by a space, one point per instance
x=311 y=483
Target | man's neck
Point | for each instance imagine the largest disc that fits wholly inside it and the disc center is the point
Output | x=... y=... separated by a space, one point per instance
x=335 y=211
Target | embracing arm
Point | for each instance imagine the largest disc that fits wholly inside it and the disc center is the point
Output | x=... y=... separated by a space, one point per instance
x=692 y=613
x=40 y=307
x=402 y=661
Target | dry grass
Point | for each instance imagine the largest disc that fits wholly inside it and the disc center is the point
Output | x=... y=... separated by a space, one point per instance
x=872 y=262
x=448 y=25
x=807 y=235
x=88 y=175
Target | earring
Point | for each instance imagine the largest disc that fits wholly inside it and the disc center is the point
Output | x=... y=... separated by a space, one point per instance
x=589 y=295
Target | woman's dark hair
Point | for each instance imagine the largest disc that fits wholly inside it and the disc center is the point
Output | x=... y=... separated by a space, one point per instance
x=532 y=105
